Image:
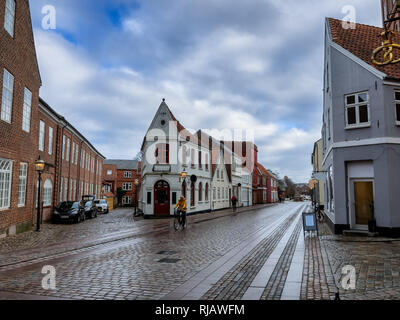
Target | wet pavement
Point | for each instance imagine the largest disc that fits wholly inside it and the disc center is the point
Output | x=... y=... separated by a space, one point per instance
x=220 y=256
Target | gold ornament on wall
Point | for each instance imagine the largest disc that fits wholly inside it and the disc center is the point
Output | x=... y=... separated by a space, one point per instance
x=387 y=49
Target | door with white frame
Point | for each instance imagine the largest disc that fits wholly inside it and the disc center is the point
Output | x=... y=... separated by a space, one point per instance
x=361 y=202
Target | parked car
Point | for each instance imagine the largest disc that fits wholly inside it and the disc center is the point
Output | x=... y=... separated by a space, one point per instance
x=90 y=209
x=102 y=206
x=69 y=211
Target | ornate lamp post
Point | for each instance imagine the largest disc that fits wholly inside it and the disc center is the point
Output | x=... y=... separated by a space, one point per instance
x=39 y=166
x=136 y=200
x=183 y=175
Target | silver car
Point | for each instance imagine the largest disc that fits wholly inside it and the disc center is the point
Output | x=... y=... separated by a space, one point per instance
x=102 y=206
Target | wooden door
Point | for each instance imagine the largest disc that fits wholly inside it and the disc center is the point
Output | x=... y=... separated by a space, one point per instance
x=161 y=199
x=363 y=200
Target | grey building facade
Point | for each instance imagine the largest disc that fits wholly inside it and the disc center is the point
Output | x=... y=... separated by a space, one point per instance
x=361 y=132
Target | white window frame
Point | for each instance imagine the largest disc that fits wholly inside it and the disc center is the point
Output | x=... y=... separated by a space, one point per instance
x=357 y=105
x=9 y=17
x=68 y=149
x=128 y=174
x=7 y=97
x=42 y=133
x=63 y=148
x=66 y=189
x=76 y=154
x=5 y=193
x=27 y=109
x=23 y=176
x=396 y=102
x=73 y=153
x=47 y=193
x=109 y=172
x=51 y=137
x=127 y=186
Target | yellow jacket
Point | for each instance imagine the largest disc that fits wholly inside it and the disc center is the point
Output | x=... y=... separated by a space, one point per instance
x=181 y=205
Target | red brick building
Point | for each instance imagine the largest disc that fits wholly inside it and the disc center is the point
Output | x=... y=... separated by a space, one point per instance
x=73 y=165
x=390 y=9
x=122 y=174
x=29 y=129
x=19 y=126
x=261 y=177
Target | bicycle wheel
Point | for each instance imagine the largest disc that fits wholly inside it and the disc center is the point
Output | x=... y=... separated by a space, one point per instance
x=177 y=223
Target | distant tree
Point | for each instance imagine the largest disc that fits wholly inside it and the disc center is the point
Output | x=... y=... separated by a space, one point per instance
x=290 y=187
x=120 y=194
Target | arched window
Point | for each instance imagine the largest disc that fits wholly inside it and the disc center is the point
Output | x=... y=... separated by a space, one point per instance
x=200 y=192
x=206 y=192
x=47 y=193
x=192 y=194
x=184 y=189
x=184 y=155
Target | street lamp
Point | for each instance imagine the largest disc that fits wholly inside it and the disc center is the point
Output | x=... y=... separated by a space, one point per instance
x=39 y=166
x=183 y=175
x=136 y=201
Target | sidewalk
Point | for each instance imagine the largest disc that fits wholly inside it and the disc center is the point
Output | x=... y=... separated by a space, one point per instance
x=376 y=262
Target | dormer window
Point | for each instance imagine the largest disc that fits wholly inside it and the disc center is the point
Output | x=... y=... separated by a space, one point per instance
x=357 y=110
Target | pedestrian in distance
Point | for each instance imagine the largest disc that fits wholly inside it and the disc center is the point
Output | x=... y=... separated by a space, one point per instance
x=234 y=202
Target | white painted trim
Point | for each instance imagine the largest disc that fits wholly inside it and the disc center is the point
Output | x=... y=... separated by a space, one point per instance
x=357 y=60
x=391 y=83
x=358 y=126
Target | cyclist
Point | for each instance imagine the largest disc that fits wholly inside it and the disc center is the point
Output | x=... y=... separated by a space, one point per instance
x=181 y=206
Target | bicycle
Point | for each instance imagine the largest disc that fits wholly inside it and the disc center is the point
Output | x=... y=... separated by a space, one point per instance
x=178 y=220
x=320 y=214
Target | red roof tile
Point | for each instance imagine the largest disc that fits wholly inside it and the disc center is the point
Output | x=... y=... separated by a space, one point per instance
x=362 y=41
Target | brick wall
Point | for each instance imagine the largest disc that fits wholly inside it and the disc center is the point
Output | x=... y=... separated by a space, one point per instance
x=16 y=144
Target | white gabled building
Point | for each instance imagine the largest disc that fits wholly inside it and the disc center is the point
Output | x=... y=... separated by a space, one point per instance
x=214 y=172
x=169 y=149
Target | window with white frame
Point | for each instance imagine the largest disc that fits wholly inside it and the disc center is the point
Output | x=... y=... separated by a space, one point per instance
x=83 y=159
x=66 y=189
x=73 y=153
x=127 y=186
x=126 y=200
x=51 y=140
x=63 y=148
x=41 y=135
x=214 y=194
x=357 y=110
x=23 y=173
x=76 y=153
x=109 y=172
x=5 y=183
x=26 y=114
x=127 y=174
x=68 y=149
x=71 y=190
x=60 y=199
x=397 y=106
x=47 y=193
x=7 y=100
x=9 y=17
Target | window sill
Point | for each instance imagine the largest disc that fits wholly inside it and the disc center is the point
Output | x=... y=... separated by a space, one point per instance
x=358 y=126
x=397 y=123
x=4 y=209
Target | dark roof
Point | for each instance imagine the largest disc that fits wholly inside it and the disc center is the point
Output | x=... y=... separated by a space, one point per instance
x=123 y=164
x=362 y=41
x=62 y=119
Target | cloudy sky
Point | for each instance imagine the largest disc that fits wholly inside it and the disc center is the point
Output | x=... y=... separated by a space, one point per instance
x=219 y=63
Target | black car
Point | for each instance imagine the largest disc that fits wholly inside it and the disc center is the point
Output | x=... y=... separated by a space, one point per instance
x=69 y=211
x=90 y=209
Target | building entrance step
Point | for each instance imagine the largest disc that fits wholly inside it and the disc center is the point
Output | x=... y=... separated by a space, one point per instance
x=359 y=233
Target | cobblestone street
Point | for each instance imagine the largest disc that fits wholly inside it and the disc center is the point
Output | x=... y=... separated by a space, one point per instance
x=254 y=254
x=116 y=257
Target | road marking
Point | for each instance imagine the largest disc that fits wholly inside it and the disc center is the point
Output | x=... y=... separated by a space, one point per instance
x=197 y=286
x=257 y=287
